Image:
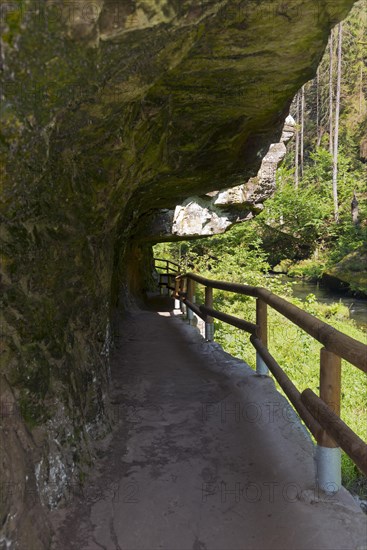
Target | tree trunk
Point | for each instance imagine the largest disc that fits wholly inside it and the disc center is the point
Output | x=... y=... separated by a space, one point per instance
x=361 y=89
x=302 y=129
x=296 y=160
x=336 y=134
x=318 y=129
x=331 y=94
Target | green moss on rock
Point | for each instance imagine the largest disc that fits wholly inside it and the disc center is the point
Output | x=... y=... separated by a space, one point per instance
x=350 y=272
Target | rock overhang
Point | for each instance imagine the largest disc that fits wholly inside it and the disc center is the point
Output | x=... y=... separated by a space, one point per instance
x=107 y=117
x=217 y=211
x=186 y=97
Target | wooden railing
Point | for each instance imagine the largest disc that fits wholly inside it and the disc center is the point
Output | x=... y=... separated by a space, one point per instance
x=167 y=271
x=320 y=414
x=168 y=267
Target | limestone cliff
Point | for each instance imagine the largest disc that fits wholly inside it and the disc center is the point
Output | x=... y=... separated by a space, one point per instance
x=111 y=111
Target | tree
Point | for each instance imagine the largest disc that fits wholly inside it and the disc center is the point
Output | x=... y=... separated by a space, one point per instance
x=302 y=146
x=331 y=93
x=318 y=109
x=336 y=130
x=296 y=171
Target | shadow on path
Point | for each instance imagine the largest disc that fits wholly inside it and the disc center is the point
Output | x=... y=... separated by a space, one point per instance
x=206 y=455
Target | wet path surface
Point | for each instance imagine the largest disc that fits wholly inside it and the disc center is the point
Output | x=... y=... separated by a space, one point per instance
x=206 y=455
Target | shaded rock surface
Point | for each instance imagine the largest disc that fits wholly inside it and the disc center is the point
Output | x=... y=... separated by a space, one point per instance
x=111 y=111
x=219 y=210
x=350 y=273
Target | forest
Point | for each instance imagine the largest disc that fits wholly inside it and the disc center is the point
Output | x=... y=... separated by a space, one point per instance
x=314 y=227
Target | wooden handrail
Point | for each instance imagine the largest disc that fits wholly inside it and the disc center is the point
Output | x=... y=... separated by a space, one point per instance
x=230 y=319
x=222 y=285
x=326 y=426
x=343 y=345
x=196 y=309
x=288 y=387
x=346 y=347
x=343 y=435
x=167 y=262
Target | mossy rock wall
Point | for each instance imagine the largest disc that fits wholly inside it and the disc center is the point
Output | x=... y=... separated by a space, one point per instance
x=350 y=272
x=110 y=112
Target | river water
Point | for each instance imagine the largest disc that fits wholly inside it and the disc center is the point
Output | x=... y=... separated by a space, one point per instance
x=357 y=306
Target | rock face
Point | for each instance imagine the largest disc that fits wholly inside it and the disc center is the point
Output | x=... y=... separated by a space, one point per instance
x=349 y=273
x=217 y=211
x=112 y=111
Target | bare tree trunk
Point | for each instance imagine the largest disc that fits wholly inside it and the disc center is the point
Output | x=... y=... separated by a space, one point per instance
x=355 y=210
x=318 y=129
x=331 y=94
x=361 y=89
x=337 y=113
x=302 y=129
x=296 y=160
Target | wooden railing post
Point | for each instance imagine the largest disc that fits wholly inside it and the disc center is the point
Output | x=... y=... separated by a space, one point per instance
x=190 y=293
x=209 y=323
x=328 y=455
x=182 y=289
x=177 y=290
x=262 y=323
x=166 y=278
x=193 y=297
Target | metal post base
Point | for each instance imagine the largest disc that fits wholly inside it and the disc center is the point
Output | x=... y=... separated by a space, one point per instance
x=190 y=315
x=328 y=467
x=261 y=367
x=209 y=332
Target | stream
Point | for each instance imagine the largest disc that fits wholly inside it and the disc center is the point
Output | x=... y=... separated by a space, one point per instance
x=357 y=306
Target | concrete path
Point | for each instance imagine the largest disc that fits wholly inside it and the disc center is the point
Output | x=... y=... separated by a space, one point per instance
x=206 y=456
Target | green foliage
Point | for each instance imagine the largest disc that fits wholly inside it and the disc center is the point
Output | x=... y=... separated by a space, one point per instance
x=306 y=214
x=346 y=238
x=309 y=269
x=214 y=255
x=298 y=221
x=299 y=213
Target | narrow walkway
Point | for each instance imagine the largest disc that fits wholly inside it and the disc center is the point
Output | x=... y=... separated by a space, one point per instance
x=206 y=456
